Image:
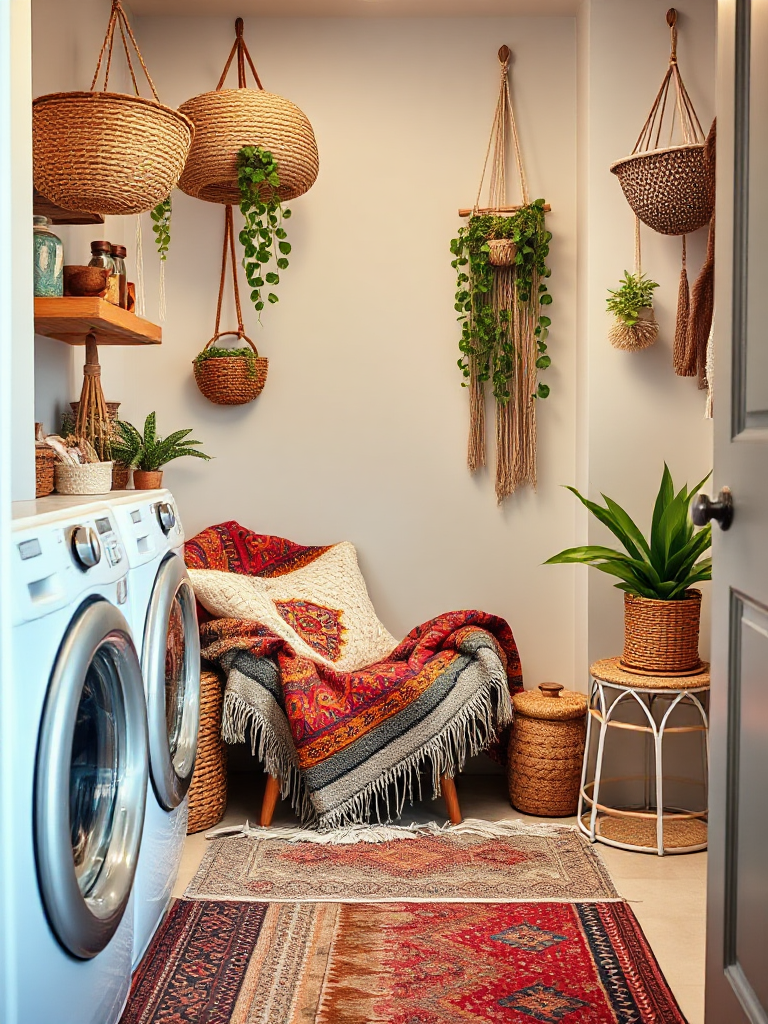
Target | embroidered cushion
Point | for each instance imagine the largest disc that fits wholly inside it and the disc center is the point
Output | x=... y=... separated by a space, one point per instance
x=322 y=609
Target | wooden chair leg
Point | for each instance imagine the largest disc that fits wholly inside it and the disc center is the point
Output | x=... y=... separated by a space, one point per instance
x=268 y=804
x=451 y=798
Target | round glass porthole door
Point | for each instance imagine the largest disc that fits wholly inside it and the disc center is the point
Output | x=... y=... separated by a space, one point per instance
x=171 y=665
x=91 y=780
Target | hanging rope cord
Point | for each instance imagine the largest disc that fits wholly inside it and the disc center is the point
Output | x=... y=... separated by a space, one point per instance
x=682 y=109
x=239 y=47
x=228 y=253
x=117 y=19
x=504 y=115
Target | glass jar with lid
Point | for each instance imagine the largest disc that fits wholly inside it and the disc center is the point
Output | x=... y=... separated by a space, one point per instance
x=101 y=256
x=118 y=254
x=48 y=260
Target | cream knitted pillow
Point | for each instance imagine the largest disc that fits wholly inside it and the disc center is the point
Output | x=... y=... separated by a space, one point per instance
x=323 y=609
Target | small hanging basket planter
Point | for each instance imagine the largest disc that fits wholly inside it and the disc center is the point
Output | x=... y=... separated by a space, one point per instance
x=106 y=152
x=672 y=188
x=502 y=252
x=226 y=120
x=238 y=378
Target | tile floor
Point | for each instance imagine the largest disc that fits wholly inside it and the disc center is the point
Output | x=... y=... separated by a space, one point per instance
x=667 y=894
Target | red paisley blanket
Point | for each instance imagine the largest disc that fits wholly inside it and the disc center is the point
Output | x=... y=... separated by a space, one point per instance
x=350 y=744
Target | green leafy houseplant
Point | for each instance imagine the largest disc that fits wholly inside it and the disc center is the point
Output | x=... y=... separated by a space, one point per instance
x=149 y=452
x=230 y=353
x=263 y=236
x=634 y=293
x=663 y=567
x=161 y=215
x=487 y=333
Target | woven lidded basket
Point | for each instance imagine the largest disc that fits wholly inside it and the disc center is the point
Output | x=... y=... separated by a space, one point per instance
x=207 y=795
x=44 y=470
x=90 y=478
x=662 y=637
x=671 y=190
x=502 y=252
x=546 y=748
x=228 y=119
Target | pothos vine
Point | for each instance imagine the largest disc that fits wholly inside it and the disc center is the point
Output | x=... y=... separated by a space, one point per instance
x=487 y=335
x=263 y=235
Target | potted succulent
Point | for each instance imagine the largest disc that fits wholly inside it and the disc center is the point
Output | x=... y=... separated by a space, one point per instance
x=658 y=577
x=634 y=325
x=147 y=453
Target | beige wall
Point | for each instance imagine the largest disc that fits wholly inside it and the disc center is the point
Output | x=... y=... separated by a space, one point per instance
x=360 y=433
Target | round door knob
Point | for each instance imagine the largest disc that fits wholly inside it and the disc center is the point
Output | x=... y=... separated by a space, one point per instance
x=86 y=547
x=166 y=516
x=704 y=510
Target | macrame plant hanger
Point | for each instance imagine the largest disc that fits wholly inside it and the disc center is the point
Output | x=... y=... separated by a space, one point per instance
x=515 y=417
x=643 y=333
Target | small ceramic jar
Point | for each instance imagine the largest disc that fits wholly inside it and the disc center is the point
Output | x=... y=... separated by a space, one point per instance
x=49 y=260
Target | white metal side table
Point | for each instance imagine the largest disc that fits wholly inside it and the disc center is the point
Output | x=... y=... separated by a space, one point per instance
x=652 y=828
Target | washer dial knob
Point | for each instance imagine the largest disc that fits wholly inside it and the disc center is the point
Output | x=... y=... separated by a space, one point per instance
x=86 y=547
x=166 y=516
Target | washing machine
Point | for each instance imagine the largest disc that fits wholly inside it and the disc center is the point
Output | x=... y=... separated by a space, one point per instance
x=76 y=723
x=162 y=612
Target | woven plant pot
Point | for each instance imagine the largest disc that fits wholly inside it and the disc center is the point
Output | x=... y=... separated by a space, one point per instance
x=502 y=252
x=671 y=190
x=546 y=749
x=147 y=479
x=90 y=478
x=228 y=119
x=121 y=476
x=45 y=458
x=106 y=152
x=662 y=637
x=231 y=380
x=207 y=795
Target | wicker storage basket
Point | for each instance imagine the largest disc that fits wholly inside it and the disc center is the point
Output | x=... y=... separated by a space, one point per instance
x=121 y=476
x=662 y=637
x=228 y=119
x=503 y=252
x=208 y=790
x=546 y=748
x=44 y=470
x=671 y=190
x=231 y=380
x=90 y=478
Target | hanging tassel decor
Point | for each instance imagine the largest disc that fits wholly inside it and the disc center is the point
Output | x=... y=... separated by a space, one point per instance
x=500 y=259
x=634 y=327
x=683 y=360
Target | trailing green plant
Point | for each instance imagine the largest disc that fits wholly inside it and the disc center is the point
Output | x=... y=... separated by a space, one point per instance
x=161 y=215
x=487 y=334
x=148 y=451
x=229 y=353
x=263 y=236
x=634 y=293
x=663 y=567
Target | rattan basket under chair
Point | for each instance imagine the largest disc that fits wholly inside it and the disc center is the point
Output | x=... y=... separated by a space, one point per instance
x=225 y=120
x=546 y=750
x=207 y=796
x=108 y=152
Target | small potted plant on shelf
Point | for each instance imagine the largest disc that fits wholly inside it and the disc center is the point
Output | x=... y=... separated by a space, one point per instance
x=658 y=576
x=634 y=325
x=146 y=453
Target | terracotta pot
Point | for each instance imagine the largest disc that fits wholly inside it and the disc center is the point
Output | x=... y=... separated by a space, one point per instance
x=147 y=479
x=662 y=636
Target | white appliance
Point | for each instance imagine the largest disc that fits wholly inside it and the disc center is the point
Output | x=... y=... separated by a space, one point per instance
x=77 y=725
x=162 y=612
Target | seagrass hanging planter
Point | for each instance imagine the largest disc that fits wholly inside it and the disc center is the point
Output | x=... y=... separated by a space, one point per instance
x=226 y=120
x=239 y=377
x=108 y=152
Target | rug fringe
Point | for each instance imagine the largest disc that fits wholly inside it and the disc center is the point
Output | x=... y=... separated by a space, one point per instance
x=350 y=835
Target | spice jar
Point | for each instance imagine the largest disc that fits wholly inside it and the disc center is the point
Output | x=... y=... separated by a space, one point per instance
x=101 y=256
x=118 y=253
x=49 y=259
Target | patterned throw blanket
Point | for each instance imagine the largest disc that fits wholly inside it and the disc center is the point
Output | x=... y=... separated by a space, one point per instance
x=344 y=715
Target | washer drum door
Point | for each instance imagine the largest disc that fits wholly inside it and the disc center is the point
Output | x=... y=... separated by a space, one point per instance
x=91 y=779
x=171 y=667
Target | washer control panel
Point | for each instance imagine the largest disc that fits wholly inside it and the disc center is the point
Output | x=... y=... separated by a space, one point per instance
x=109 y=540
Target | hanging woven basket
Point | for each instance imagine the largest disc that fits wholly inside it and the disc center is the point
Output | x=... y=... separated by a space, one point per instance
x=107 y=152
x=235 y=379
x=671 y=188
x=502 y=252
x=225 y=120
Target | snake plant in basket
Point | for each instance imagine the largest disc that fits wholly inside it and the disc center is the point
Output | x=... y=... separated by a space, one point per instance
x=658 y=576
x=147 y=453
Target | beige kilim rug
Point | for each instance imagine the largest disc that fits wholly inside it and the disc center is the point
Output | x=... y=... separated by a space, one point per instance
x=506 y=865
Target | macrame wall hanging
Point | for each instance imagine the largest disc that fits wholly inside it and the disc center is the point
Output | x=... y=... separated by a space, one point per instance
x=501 y=298
x=671 y=188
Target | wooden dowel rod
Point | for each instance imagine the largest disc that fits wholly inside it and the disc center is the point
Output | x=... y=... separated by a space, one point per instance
x=499 y=209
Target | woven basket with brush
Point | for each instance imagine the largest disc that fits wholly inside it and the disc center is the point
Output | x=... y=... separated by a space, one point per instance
x=107 y=152
x=207 y=795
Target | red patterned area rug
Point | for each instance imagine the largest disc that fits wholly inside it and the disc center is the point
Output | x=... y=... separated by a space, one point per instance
x=553 y=864
x=410 y=963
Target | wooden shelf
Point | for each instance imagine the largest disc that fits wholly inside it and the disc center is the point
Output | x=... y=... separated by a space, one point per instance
x=71 y=319
x=43 y=207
